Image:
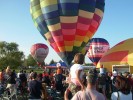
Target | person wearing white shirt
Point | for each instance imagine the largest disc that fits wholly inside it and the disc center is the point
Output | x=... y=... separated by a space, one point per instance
x=124 y=89
x=76 y=74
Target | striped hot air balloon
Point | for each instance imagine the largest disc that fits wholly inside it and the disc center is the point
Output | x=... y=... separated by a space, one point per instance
x=67 y=25
x=39 y=52
x=97 y=48
x=120 y=54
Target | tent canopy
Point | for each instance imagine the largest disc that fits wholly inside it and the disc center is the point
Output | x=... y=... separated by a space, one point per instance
x=63 y=65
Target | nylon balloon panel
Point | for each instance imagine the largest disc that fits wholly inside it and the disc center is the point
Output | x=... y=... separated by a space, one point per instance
x=121 y=53
x=67 y=21
x=98 y=15
x=39 y=52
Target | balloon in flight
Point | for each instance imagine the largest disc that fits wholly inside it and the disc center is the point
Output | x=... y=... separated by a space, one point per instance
x=39 y=52
x=97 y=48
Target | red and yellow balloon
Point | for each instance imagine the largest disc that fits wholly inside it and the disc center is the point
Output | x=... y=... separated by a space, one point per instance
x=120 y=54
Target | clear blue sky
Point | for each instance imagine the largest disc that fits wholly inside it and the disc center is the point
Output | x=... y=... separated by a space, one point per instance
x=16 y=25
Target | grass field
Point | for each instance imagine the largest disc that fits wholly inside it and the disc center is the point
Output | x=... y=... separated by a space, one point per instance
x=28 y=70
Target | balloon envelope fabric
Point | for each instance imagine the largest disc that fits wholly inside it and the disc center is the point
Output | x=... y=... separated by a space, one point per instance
x=121 y=53
x=85 y=49
x=39 y=52
x=67 y=25
x=97 y=48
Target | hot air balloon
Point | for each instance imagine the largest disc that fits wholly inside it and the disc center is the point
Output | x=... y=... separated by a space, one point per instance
x=85 y=49
x=39 y=52
x=67 y=25
x=97 y=48
x=121 y=54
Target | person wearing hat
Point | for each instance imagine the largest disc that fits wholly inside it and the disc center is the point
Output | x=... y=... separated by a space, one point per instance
x=59 y=78
x=59 y=69
x=113 y=78
x=90 y=93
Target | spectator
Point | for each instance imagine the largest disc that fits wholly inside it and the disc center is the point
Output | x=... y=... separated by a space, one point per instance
x=23 y=79
x=90 y=93
x=102 y=83
x=45 y=76
x=76 y=74
x=108 y=84
x=34 y=88
x=44 y=91
x=113 y=78
x=59 y=69
x=123 y=86
x=2 y=76
x=39 y=77
x=11 y=82
x=58 y=81
x=18 y=74
x=29 y=78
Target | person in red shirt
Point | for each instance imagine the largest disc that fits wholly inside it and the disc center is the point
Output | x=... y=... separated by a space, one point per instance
x=2 y=76
x=44 y=74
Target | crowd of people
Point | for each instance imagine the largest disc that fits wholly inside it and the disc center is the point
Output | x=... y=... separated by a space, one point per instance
x=75 y=84
x=36 y=83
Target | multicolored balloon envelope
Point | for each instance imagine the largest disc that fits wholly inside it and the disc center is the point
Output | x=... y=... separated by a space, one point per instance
x=122 y=53
x=39 y=52
x=97 y=48
x=85 y=49
x=67 y=25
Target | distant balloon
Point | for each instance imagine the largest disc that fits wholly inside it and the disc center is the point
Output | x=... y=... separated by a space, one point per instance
x=39 y=52
x=67 y=25
x=120 y=54
x=97 y=48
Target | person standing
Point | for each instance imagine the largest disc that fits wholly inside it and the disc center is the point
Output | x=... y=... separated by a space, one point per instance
x=58 y=81
x=2 y=76
x=102 y=83
x=124 y=89
x=34 y=88
x=90 y=93
x=76 y=74
x=11 y=82
x=23 y=79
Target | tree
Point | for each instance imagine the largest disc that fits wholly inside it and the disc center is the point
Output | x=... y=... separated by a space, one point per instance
x=52 y=62
x=2 y=49
x=31 y=61
x=89 y=64
x=10 y=55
